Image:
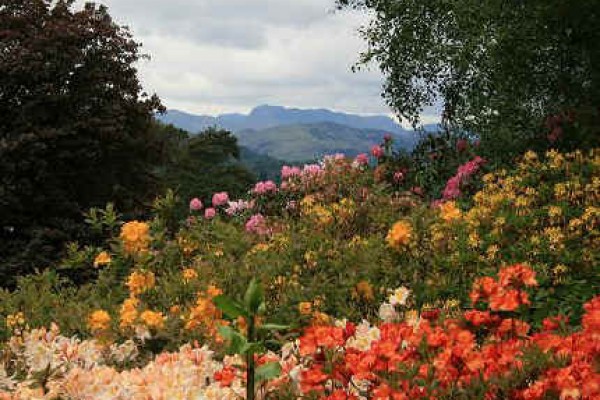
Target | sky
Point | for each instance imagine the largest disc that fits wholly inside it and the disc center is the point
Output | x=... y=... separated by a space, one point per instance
x=220 y=56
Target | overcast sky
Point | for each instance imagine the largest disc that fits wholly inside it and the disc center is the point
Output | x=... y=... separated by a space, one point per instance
x=216 y=56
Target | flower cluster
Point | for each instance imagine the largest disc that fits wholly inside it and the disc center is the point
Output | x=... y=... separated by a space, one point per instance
x=135 y=236
x=481 y=352
x=464 y=172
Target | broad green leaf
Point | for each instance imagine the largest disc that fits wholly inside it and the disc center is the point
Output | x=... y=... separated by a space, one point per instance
x=254 y=296
x=267 y=371
x=229 y=307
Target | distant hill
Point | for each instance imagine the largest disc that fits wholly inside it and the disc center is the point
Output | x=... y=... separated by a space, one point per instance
x=296 y=135
x=301 y=142
x=266 y=116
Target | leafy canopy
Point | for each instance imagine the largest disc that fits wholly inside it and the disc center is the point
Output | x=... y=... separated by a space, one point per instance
x=494 y=65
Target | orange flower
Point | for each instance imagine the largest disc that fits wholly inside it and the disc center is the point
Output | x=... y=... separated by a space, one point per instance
x=449 y=211
x=400 y=235
x=102 y=259
x=99 y=320
x=135 y=236
x=305 y=308
x=226 y=376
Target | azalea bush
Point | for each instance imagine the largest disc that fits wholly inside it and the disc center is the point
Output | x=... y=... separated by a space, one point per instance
x=332 y=240
x=486 y=351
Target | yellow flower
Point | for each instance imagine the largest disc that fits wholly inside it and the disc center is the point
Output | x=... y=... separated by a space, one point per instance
x=129 y=312
x=189 y=274
x=135 y=236
x=399 y=235
x=305 y=308
x=320 y=318
x=99 y=320
x=102 y=259
x=449 y=211
x=140 y=281
x=14 y=320
x=153 y=319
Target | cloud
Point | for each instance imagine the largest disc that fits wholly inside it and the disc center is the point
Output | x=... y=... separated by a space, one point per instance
x=215 y=56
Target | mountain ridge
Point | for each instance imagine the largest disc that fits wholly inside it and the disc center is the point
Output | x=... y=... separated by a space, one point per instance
x=268 y=116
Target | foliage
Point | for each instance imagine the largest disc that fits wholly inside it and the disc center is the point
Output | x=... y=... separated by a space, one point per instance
x=499 y=69
x=74 y=119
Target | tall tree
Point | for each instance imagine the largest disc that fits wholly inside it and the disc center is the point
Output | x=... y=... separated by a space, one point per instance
x=498 y=66
x=74 y=127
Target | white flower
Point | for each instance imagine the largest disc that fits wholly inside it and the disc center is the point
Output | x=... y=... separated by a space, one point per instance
x=399 y=296
x=387 y=312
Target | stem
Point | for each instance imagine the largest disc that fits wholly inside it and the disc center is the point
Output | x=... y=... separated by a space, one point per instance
x=250 y=362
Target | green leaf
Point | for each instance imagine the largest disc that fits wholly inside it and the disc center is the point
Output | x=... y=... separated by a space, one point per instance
x=273 y=327
x=237 y=342
x=267 y=371
x=254 y=296
x=230 y=307
x=251 y=348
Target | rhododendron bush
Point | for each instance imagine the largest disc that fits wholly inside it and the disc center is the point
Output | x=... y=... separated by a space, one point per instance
x=382 y=293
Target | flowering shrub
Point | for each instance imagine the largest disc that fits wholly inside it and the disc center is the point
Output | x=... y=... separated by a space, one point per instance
x=481 y=353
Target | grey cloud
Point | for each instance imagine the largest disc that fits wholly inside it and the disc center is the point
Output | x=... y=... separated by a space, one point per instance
x=216 y=56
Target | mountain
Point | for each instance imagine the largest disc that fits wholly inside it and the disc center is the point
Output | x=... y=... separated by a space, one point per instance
x=266 y=116
x=301 y=142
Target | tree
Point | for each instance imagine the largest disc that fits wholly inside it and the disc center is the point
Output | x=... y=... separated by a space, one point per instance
x=75 y=130
x=206 y=163
x=500 y=67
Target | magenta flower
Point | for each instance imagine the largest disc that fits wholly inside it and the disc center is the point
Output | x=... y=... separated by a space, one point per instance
x=362 y=159
x=219 y=199
x=377 y=151
x=196 y=204
x=210 y=213
x=257 y=224
x=289 y=172
x=265 y=187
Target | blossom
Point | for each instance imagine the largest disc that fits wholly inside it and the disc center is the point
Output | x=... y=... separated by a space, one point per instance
x=135 y=236
x=399 y=235
x=257 y=224
x=99 y=320
x=387 y=312
x=361 y=159
x=377 y=151
x=288 y=172
x=140 y=281
x=189 y=274
x=236 y=207
x=196 y=204
x=220 y=198
x=399 y=296
x=305 y=308
x=261 y=188
x=210 y=213
x=449 y=211
x=153 y=319
x=102 y=259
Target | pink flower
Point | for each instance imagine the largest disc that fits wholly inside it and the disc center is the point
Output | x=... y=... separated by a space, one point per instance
x=398 y=176
x=196 y=204
x=311 y=169
x=377 y=151
x=387 y=137
x=265 y=187
x=219 y=199
x=289 y=172
x=236 y=207
x=362 y=159
x=257 y=224
x=210 y=213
